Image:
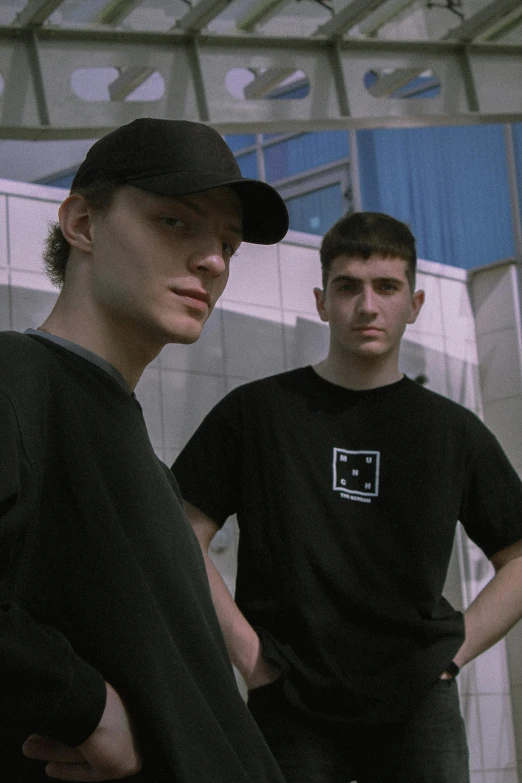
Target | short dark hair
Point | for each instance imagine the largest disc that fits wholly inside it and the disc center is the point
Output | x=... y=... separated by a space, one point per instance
x=99 y=196
x=363 y=234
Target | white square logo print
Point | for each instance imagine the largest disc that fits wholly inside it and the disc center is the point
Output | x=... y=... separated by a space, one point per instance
x=356 y=472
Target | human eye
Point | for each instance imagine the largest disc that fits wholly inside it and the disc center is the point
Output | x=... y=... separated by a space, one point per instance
x=346 y=287
x=388 y=286
x=174 y=222
x=230 y=249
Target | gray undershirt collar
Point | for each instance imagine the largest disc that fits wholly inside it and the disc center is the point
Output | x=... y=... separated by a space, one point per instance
x=85 y=354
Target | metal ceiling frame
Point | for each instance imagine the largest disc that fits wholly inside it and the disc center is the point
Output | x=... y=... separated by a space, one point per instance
x=36 y=12
x=194 y=63
x=479 y=23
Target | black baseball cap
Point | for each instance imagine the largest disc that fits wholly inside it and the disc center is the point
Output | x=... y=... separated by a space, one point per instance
x=179 y=157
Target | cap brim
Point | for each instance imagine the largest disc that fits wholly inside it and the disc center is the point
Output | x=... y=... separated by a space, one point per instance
x=265 y=216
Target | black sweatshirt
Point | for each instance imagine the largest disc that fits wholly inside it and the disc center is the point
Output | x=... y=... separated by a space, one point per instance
x=103 y=580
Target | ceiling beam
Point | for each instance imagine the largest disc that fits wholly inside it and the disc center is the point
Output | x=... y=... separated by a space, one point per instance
x=354 y=13
x=36 y=12
x=128 y=81
x=261 y=12
x=265 y=83
x=383 y=15
x=503 y=26
x=200 y=15
x=116 y=11
x=484 y=19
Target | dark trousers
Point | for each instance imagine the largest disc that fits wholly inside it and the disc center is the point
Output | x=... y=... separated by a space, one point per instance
x=430 y=747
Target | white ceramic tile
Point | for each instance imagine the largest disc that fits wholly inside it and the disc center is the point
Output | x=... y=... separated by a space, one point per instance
x=300 y=274
x=457 y=314
x=467 y=680
x=501 y=776
x=148 y=393
x=233 y=383
x=476 y=777
x=437 y=269
x=35 y=280
x=492 y=298
x=491 y=671
x=496 y=731
x=28 y=223
x=500 y=364
x=32 y=191
x=429 y=320
x=253 y=338
x=463 y=385
x=5 y=310
x=254 y=276
x=503 y=417
x=169 y=456
x=514 y=648
x=306 y=339
x=516 y=706
x=479 y=571
x=187 y=398
x=159 y=452
x=205 y=355
x=470 y=712
x=425 y=355
x=413 y=359
x=461 y=348
x=4 y=260
x=30 y=307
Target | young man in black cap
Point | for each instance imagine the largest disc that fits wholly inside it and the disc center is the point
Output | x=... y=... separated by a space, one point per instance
x=112 y=660
x=348 y=479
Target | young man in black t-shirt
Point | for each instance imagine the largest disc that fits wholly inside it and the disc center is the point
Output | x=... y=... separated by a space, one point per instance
x=112 y=661
x=348 y=480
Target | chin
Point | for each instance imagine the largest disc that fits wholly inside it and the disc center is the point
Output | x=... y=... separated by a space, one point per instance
x=186 y=332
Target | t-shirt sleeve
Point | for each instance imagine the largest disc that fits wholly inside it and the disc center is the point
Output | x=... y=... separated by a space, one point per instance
x=208 y=469
x=45 y=688
x=491 y=507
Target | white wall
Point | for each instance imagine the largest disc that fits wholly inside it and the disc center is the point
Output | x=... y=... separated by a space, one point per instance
x=266 y=323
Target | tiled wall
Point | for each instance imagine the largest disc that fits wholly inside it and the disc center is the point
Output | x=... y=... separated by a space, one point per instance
x=265 y=323
x=495 y=293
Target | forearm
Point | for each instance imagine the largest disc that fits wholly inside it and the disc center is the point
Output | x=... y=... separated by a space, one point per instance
x=45 y=686
x=494 y=611
x=242 y=641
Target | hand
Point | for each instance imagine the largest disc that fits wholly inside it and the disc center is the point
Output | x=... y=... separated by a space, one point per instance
x=446 y=676
x=108 y=754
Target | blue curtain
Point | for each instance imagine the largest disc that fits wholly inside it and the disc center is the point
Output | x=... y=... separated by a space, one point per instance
x=449 y=184
x=238 y=141
x=517 y=141
x=304 y=152
x=248 y=165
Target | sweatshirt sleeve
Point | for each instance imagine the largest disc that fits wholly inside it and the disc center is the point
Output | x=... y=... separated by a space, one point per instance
x=45 y=688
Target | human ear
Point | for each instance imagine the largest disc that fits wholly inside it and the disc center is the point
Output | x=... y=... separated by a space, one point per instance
x=417 y=301
x=319 y=303
x=75 y=221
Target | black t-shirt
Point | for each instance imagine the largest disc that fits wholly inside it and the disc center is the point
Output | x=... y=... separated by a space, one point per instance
x=347 y=503
x=102 y=579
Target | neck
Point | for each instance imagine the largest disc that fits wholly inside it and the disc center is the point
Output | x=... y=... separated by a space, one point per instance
x=126 y=353
x=359 y=373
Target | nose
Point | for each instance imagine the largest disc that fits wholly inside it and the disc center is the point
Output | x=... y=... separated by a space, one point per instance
x=367 y=301
x=208 y=256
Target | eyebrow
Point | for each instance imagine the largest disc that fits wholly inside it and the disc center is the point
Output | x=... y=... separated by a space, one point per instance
x=352 y=279
x=201 y=212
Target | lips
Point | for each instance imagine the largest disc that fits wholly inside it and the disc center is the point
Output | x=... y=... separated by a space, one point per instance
x=193 y=296
x=368 y=329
